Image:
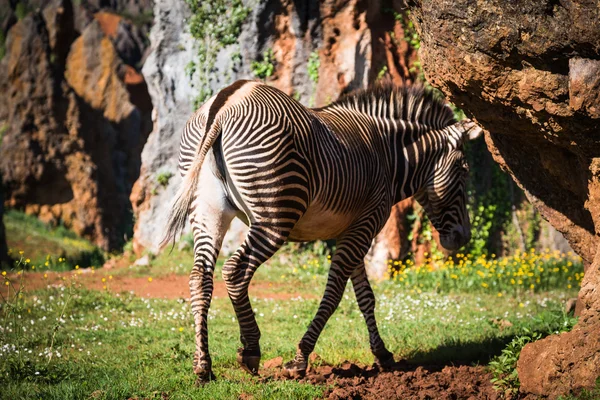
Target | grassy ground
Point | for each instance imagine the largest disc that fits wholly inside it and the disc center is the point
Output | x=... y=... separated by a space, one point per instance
x=46 y=247
x=69 y=342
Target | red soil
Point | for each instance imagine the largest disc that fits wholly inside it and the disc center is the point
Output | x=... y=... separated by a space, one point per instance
x=167 y=287
x=406 y=382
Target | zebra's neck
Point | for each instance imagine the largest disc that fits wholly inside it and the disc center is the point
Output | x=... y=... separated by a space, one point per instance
x=409 y=126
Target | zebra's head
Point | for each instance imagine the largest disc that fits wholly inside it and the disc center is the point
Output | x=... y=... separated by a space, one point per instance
x=444 y=195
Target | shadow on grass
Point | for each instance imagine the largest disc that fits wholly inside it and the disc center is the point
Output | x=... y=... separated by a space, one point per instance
x=462 y=353
x=88 y=258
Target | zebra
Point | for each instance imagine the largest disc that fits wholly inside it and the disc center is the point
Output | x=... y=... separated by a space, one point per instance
x=299 y=174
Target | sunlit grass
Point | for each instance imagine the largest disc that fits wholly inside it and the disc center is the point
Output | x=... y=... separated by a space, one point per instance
x=69 y=342
x=46 y=247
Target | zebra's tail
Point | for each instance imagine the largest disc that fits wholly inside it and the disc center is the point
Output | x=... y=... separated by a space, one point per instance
x=183 y=203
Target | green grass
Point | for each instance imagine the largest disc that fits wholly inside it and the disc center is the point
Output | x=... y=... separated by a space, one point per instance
x=60 y=248
x=107 y=346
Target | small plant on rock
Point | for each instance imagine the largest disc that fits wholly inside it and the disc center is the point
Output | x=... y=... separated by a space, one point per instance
x=163 y=178
x=265 y=68
x=313 y=66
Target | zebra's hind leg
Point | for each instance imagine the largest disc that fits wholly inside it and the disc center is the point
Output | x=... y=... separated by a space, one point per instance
x=260 y=244
x=209 y=228
x=366 y=302
x=350 y=253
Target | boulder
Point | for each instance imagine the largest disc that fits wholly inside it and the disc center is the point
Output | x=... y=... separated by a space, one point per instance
x=528 y=73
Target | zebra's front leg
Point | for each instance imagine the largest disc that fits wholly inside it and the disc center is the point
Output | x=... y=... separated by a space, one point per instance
x=260 y=244
x=366 y=302
x=349 y=254
x=209 y=228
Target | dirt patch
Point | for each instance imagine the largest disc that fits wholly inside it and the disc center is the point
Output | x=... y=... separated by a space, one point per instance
x=167 y=287
x=404 y=381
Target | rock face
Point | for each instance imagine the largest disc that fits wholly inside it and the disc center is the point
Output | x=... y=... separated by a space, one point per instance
x=73 y=130
x=4 y=258
x=172 y=97
x=527 y=71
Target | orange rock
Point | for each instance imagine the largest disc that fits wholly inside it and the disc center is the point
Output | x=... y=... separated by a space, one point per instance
x=109 y=22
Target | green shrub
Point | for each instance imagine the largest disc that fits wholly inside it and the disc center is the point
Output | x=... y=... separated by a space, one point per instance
x=504 y=366
x=47 y=247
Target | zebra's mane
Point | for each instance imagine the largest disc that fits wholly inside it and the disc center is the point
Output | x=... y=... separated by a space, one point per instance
x=413 y=103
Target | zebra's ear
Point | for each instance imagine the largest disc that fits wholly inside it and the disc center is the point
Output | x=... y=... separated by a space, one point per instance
x=470 y=130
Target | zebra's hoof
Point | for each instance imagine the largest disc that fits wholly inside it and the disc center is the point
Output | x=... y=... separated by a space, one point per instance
x=249 y=360
x=295 y=369
x=204 y=376
x=384 y=360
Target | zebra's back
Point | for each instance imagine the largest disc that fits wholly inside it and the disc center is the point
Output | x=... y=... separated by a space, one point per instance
x=277 y=155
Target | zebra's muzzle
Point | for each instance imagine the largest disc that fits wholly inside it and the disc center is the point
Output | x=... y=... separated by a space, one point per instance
x=458 y=237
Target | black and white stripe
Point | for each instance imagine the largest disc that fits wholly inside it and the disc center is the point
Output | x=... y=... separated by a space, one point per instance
x=294 y=173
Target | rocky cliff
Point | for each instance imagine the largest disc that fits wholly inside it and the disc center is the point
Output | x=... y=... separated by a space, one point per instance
x=75 y=117
x=529 y=73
